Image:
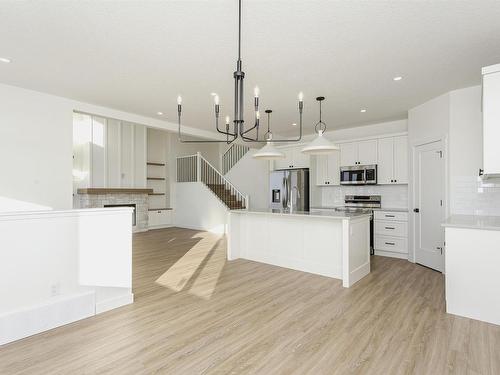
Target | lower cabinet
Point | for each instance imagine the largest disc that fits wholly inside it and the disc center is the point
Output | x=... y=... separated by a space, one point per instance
x=391 y=233
x=159 y=218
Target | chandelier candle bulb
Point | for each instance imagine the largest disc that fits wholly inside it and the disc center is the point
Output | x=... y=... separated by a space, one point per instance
x=256 y=91
x=179 y=100
x=227 y=120
x=216 y=99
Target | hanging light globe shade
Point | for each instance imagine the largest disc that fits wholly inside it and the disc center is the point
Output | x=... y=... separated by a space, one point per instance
x=320 y=146
x=268 y=152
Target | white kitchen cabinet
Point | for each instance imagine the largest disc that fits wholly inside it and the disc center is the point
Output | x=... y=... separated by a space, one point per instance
x=358 y=153
x=385 y=164
x=348 y=154
x=367 y=152
x=391 y=233
x=491 y=120
x=294 y=158
x=392 y=164
x=401 y=160
x=159 y=218
x=328 y=169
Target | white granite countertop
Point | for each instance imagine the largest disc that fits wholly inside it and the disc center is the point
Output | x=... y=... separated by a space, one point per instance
x=313 y=213
x=473 y=222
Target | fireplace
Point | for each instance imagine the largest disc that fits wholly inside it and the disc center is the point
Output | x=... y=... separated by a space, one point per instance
x=134 y=219
x=119 y=197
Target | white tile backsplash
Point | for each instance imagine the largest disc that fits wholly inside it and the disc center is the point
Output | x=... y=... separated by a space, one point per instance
x=472 y=196
x=393 y=196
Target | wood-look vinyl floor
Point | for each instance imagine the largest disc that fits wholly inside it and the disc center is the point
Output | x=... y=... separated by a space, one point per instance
x=195 y=313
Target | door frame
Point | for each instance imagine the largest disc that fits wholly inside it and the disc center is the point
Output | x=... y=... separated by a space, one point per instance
x=412 y=182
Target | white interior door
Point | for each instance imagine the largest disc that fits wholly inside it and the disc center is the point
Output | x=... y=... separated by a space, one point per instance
x=429 y=202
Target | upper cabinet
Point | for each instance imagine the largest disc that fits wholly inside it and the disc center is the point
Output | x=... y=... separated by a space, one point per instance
x=491 y=120
x=294 y=158
x=392 y=165
x=328 y=169
x=358 y=153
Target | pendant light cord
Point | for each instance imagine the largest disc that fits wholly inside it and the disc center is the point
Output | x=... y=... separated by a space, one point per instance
x=320 y=125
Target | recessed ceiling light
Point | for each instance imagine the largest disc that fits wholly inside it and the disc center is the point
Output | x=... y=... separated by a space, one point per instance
x=294 y=124
x=363 y=111
x=398 y=78
x=159 y=113
x=5 y=60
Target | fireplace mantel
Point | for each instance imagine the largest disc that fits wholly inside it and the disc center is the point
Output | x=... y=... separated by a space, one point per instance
x=99 y=191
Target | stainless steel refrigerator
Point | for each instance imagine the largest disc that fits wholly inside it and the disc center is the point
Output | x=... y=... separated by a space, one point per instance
x=290 y=189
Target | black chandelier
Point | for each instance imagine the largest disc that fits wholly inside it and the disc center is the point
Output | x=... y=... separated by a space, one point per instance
x=238 y=122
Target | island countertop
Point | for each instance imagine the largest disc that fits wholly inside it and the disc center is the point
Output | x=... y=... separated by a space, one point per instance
x=313 y=213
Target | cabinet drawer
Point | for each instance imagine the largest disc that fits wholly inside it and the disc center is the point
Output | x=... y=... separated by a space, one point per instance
x=159 y=217
x=391 y=228
x=391 y=216
x=394 y=244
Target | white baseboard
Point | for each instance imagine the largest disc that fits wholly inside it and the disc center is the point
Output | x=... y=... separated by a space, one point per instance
x=113 y=303
x=160 y=226
x=56 y=312
x=391 y=254
x=357 y=275
x=216 y=230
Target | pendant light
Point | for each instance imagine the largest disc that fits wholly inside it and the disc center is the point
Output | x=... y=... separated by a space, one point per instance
x=268 y=152
x=320 y=145
x=239 y=128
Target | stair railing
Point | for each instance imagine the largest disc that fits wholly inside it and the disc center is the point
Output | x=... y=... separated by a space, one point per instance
x=232 y=155
x=195 y=168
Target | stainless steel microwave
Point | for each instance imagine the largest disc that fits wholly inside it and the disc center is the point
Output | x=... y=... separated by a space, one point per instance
x=358 y=175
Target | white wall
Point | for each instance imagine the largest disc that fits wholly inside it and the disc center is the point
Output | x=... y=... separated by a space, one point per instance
x=393 y=196
x=35 y=149
x=251 y=177
x=36 y=146
x=210 y=151
x=455 y=117
x=469 y=195
x=60 y=266
x=198 y=208
x=372 y=130
x=429 y=121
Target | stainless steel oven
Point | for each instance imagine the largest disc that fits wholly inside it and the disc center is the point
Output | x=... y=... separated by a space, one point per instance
x=358 y=175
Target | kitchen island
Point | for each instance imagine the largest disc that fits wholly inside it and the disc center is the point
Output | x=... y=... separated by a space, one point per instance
x=328 y=243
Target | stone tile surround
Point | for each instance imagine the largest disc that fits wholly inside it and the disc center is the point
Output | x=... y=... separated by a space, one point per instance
x=100 y=200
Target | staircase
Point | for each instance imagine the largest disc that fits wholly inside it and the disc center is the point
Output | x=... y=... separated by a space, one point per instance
x=232 y=155
x=195 y=168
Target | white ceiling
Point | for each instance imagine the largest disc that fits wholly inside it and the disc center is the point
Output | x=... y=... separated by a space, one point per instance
x=138 y=55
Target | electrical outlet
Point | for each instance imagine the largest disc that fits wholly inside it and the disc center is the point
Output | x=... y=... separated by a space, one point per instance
x=55 y=289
